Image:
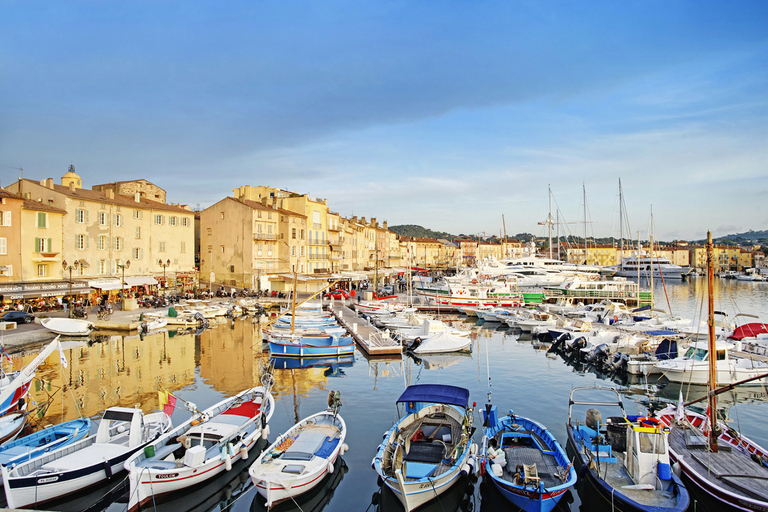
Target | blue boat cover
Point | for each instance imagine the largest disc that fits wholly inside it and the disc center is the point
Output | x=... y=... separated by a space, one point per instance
x=661 y=332
x=644 y=308
x=437 y=393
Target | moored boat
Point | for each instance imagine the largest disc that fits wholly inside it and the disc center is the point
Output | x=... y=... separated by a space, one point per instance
x=67 y=326
x=202 y=447
x=524 y=461
x=430 y=446
x=92 y=460
x=625 y=461
x=300 y=458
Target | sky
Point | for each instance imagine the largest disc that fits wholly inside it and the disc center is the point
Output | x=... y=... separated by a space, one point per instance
x=457 y=116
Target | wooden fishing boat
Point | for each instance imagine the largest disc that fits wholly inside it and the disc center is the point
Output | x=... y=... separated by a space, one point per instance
x=299 y=459
x=532 y=471
x=430 y=446
x=11 y=424
x=43 y=441
x=90 y=461
x=727 y=468
x=626 y=463
x=14 y=386
x=202 y=447
x=309 y=345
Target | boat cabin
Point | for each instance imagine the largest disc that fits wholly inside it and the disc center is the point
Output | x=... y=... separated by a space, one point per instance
x=122 y=425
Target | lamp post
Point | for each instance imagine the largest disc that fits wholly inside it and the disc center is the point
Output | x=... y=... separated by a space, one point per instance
x=164 y=265
x=71 y=267
x=123 y=266
x=199 y=272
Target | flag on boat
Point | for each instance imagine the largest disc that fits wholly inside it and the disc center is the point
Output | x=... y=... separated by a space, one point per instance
x=167 y=402
x=62 y=357
x=3 y=352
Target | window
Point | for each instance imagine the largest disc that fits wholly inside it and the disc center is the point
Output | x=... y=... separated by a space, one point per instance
x=269 y=228
x=42 y=270
x=302 y=234
x=159 y=220
x=258 y=214
x=102 y=266
x=80 y=216
x=119 y=246
x=8 y=272
x=222 y=248
x=210 y=249
x=162 y=246
x=269 y=215
x=42 y=220
x=3 y=245
x=138 y=232
x=118 y=220
x=138 y=253
x=138 y=214
x=293 y=233
x=172 y=221
x=210 y=231
x=184 y=222
x=183 y=247
x=102 y=242
x=5 y=218
x=43 y=244
x=293 y=251
x=103 y=218
x=81 y=242
x=222 y=215
x=258 y=228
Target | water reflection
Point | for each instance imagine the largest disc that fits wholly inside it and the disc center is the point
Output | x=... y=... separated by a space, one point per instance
x=116 y=370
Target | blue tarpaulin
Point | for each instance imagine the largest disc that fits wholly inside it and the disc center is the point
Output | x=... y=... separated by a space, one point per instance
x=436 y=393
x=662 y=332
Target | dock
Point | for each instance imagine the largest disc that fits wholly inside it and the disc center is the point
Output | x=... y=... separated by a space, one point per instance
x=370 y=339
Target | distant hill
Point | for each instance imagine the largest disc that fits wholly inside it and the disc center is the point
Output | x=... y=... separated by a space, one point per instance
x=414 y=231
x=748 y=235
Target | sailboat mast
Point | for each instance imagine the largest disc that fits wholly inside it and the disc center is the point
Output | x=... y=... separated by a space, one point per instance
x=293 y=306
x=584 y=193
x=621 y=224
x=505 y=236
x=549 y=220
x=712 y=409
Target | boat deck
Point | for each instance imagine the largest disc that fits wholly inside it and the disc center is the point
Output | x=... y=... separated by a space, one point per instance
x=367 y=336
x=546 y=464
x=728 y=467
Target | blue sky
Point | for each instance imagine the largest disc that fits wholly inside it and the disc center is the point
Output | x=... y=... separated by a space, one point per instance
x=443 y=114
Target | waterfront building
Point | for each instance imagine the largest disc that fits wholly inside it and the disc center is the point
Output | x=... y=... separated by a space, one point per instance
x=10 y=235
x=103 y=231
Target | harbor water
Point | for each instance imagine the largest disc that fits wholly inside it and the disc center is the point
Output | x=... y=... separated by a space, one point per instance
x=202 y=368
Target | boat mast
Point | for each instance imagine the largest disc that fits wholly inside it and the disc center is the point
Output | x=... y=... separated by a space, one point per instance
x=621 y=224
x=549 y=220
x=712 y=409
x=293 y=306
x=584 y=193
x=506 y=255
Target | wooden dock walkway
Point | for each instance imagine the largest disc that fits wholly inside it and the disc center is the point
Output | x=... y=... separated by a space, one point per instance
x=367 y=336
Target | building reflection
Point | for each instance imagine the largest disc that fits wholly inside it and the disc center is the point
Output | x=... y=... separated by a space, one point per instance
x=128 y=371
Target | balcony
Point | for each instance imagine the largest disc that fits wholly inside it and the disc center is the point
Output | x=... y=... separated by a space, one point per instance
x=334 y=228
x=265 y=236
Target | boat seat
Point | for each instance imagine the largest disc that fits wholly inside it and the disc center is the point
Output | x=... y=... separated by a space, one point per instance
x=531 y=474
x=427 y=452
x=294 y=469
x=418 y=470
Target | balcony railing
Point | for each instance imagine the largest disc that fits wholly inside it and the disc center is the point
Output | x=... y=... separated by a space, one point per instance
x=264 y=236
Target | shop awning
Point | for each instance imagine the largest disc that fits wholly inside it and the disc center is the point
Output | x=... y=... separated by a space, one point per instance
x=140 y=281
x=80 y=289
x=106 y=284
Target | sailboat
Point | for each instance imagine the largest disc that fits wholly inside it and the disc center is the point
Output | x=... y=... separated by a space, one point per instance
x=728 y=468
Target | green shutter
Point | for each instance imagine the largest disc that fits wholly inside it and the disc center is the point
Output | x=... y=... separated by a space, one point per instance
x=37 y=245
x=50 y=245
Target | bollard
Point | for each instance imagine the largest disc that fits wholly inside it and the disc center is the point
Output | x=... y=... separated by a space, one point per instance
x=354 y=328
x=341 y=314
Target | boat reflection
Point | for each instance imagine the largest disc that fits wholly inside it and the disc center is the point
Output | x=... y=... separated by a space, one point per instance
x=459 y=498
x=313 y=501
x=292 y=363
x=440 y=361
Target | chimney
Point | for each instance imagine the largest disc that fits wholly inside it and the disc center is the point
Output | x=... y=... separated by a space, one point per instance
x=110 y=194
x=137 y=197
x=71 y=186
x=50 y=183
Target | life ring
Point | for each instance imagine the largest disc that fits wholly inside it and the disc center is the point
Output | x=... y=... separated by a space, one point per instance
x=647 y=421
x=474 y=281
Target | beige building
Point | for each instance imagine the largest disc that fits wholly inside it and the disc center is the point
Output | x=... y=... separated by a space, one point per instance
x=110 y=234
x=10 y=236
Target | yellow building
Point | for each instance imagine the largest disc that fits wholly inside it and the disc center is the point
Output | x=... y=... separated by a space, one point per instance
x=111 y=234
x=10 y=237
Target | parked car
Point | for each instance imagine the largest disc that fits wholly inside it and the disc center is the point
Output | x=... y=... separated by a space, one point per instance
x=337 y=294
x=20 y=317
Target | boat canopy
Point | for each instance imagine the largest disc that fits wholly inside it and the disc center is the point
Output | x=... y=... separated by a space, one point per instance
x=750 y=330
x=437 y=393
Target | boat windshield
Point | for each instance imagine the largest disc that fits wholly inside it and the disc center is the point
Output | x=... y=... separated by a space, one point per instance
x=696 y=354
x=652 y=443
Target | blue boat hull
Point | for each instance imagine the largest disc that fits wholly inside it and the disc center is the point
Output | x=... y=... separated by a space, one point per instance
x=43 y=441
x=313 y=348
x=529 y=498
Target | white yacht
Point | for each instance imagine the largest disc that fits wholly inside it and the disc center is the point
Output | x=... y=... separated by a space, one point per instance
x=644 y=265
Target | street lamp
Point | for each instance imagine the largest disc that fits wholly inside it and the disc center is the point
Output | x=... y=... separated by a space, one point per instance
x=123 y=266
x=70 y=268
x=164 y=265
x=199 y=271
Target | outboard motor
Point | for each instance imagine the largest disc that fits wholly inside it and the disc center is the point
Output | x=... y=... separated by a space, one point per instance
x=599 y=355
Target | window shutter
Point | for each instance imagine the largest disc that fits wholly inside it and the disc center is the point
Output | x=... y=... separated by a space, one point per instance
x=50 y=245
x=87 y=242
x=86 y=216
x=7 y=218
x=37 y=245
